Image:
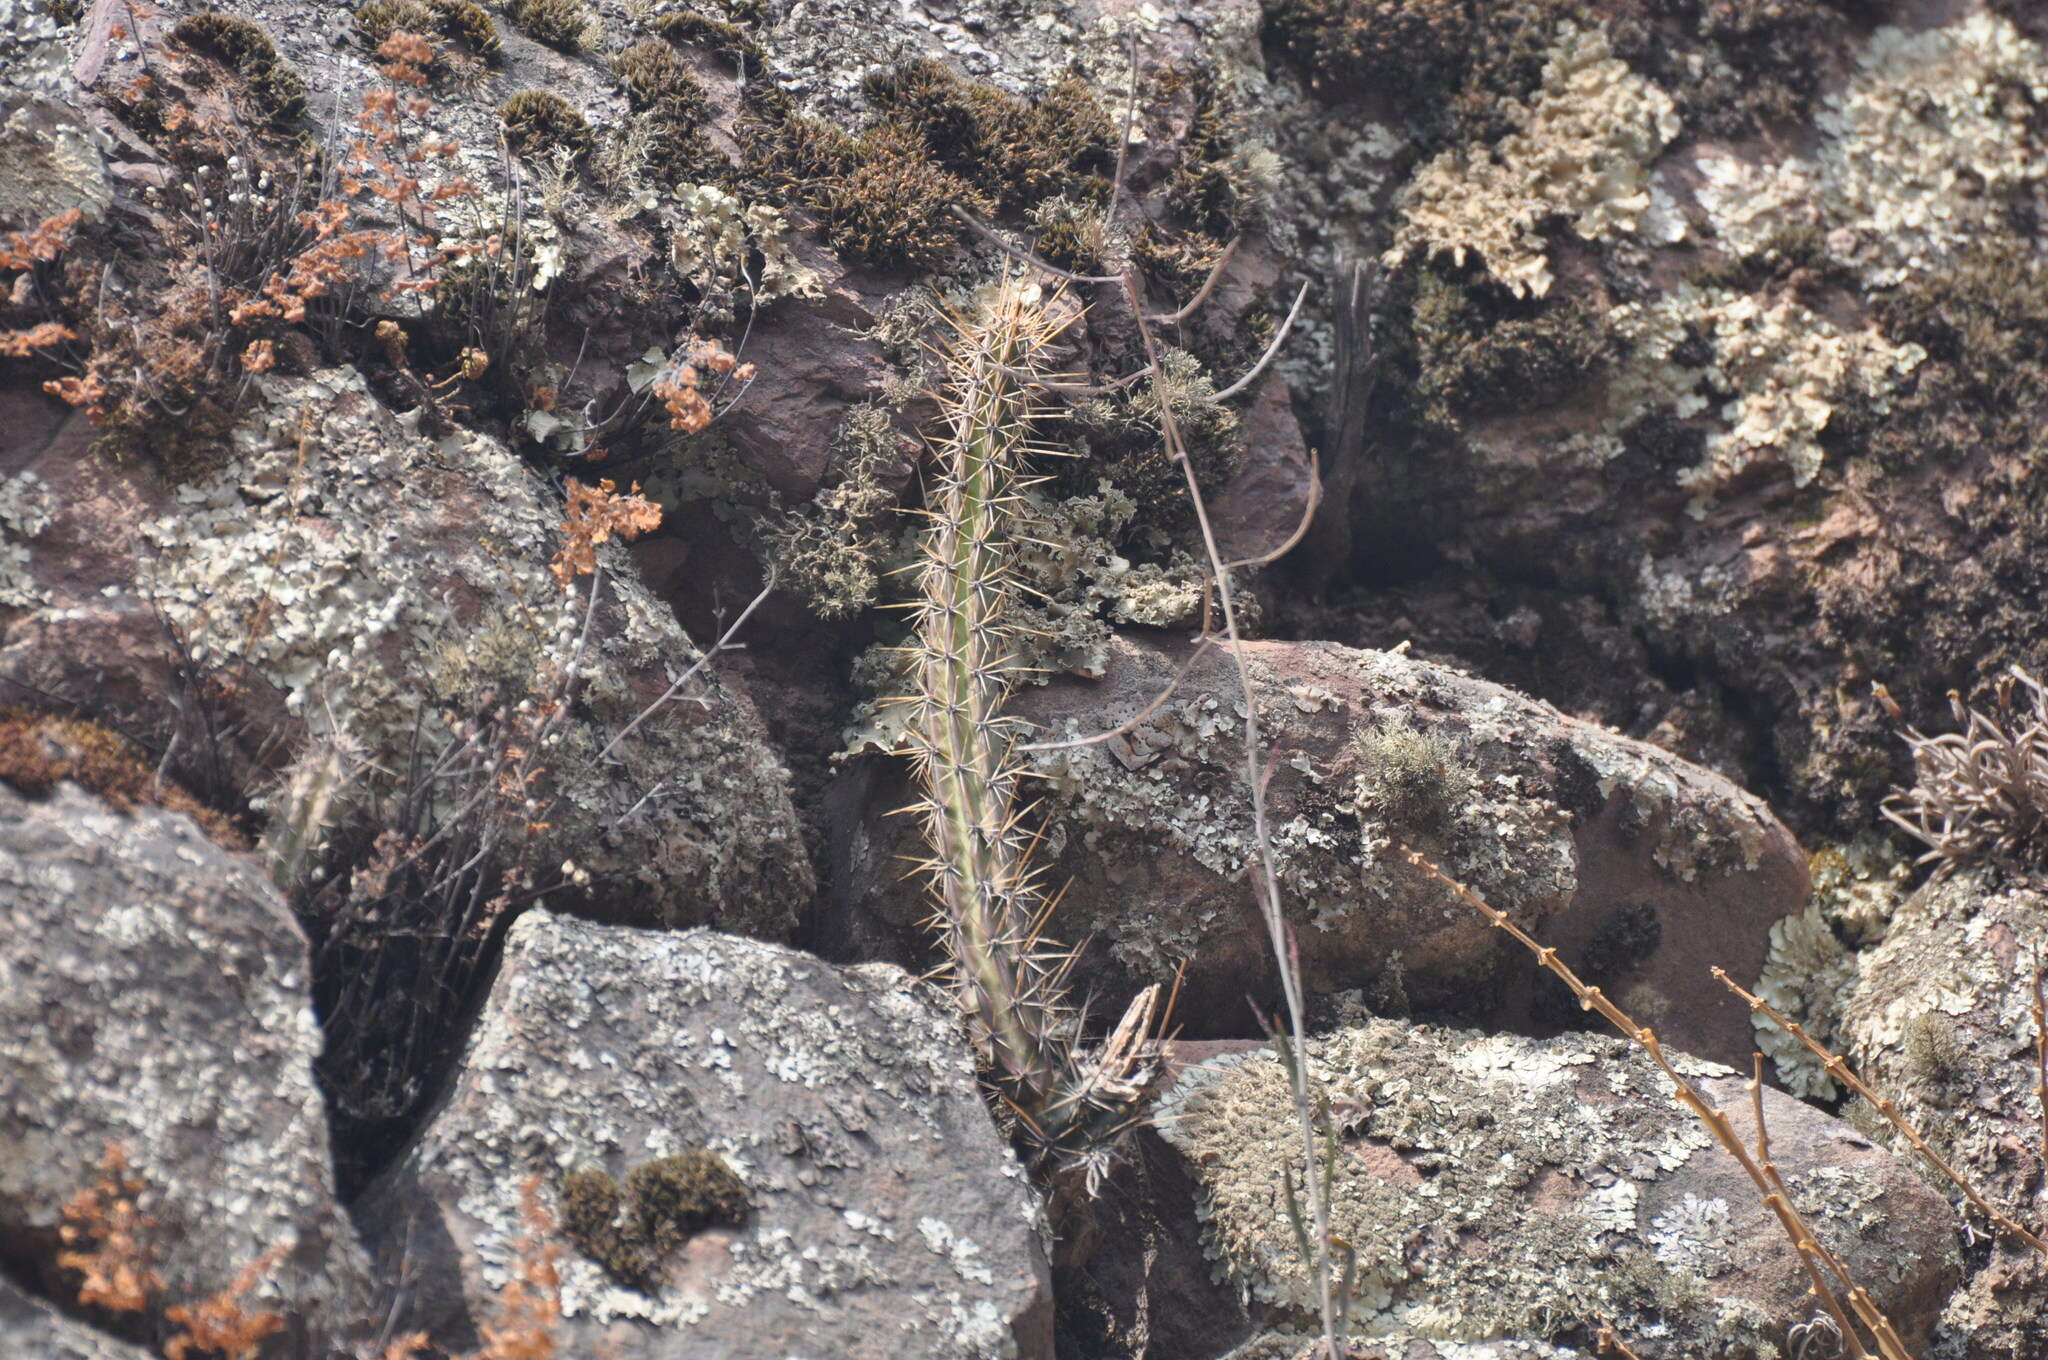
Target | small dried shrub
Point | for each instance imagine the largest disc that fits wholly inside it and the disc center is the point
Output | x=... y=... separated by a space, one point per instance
x=558 y=23
x=539 y=123
x=276 y=88
x=223 y=1325
x=592 y=516
x=1981 y=793
x=103 y=1235
x=38 y=752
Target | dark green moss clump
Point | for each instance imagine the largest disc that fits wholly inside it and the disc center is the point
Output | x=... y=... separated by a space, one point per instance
x=558 y=23
x=657 y=82
x=1015 y=151
x=379 y=19
x=469 y=23
x=1481 y=352
x=538 y=122
x=274 y=86
x=727 y=41
x=664 y=1203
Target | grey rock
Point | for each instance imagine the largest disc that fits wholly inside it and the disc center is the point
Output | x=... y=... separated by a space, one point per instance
x=36 y=1331
x=1498 y=1186
x=1640 y=868
x=888 y=1218
x=153 y=990
x=1302 y=1346
x=1938 y=1022
x=352 y=574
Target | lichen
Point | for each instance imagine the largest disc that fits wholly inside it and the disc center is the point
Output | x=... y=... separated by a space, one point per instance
x=1779 y=369
x=715 y=241
x=1580 y=151
x=831 y=551
x=1542 y=1150
x=25 y=510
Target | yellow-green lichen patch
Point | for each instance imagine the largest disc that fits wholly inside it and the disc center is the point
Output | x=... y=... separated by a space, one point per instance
x=1777 y=370
x=715 y=241
x=1580 y=151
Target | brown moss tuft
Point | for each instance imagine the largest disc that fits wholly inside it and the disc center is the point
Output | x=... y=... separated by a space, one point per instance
x=1015 y=151
x=558 y=23
x=538 y=122
x=39 y=751
x=275 y=87
x=727 y=41
x=379 y=19
x=1481 y=352
x=470 y=23
x=658 y=82
x=664 y=1203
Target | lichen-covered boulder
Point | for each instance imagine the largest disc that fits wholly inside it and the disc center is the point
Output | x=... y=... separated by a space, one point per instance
x=51 y=159
x=1937 y=1019
x=879 y=1213
x=153 y=990
x=1497 y=1186
x=1295 y=1345
x=1642 y=869
x=346 y=575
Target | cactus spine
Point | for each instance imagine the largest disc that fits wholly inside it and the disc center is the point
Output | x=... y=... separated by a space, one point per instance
x=989 y=906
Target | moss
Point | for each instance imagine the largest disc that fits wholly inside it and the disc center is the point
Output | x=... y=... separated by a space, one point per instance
x=275 y=87
x=657 y=81
x=674 y=1198
x=558 y=23
x=1480 y=352
x=729 y=41
x=471 y=24
x=39 y=752
x=379 y=19
x=877 y=195
x=1416 y=50
x=1772 y=60
x=537 y=123
x=1015 y=151
x=664 y=1203
x=1410 y=779
x=1217 y=185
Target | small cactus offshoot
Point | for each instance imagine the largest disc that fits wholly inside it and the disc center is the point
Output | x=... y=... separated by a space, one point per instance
x=1009 y=980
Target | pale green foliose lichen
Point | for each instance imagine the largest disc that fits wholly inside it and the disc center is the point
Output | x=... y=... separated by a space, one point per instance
x=714 y=238
x=1580 y=151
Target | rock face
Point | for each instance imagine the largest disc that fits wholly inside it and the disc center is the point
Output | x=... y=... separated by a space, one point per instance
x=343 y=575
x=33 y=1328
x=1938 y=1021
x=1642 y=869
x=1501 y=1186
x=887 y=1218
x=153 y=989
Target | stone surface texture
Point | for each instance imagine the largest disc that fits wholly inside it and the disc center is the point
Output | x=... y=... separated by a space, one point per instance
x=888 y=1218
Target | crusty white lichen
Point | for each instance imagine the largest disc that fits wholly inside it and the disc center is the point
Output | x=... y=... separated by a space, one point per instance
x=1580 y=151
x=1492 y=1185
x=50 y=156
x=25 y=510
x=1777 y=369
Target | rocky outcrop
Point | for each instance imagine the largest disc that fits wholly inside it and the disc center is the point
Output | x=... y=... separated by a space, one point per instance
x=1643 y=870
x=882 y=1214
x=1937 y=1019
x=153 y=989
x=1500 y=1186
x=347 y=578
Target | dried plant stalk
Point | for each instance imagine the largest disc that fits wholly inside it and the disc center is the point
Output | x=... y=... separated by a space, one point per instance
x=1982 y=791
x=1839 y=1069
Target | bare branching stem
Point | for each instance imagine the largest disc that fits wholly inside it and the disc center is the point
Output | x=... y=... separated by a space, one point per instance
x=1839 y=1069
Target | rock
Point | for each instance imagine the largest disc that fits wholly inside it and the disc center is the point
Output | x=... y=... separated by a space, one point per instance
x=1641 y=869
x=34 y=1329
x=343 y=574
x=153 y=989
x=887 y=1218
x=49 y=151
x=1400 y=1346
x=1938 y=1020
x=1502 y=1186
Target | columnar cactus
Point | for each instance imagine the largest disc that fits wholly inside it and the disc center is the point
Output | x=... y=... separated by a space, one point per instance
x=964 y=665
